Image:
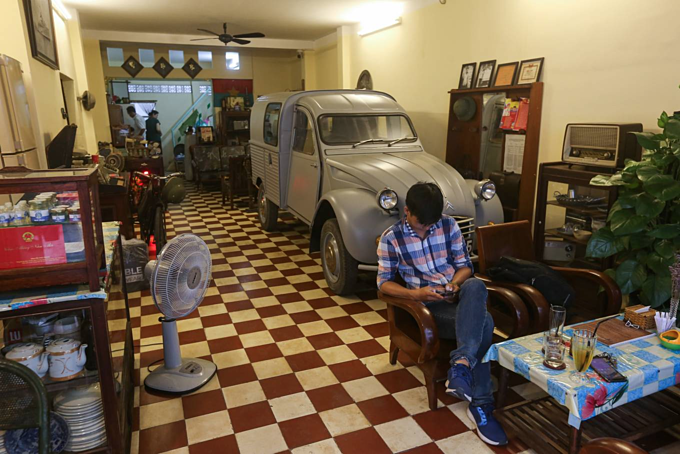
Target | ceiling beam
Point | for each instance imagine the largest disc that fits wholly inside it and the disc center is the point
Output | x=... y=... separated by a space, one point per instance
x=185 y=40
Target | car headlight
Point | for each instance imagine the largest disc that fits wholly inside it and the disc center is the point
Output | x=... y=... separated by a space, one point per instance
x=485 y=189
x=387 y=199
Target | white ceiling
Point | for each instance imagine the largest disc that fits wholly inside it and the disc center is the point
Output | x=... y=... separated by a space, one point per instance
x=278 y=19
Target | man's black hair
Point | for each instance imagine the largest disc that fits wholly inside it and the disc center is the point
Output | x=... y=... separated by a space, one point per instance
x=131 y=109
x=426 y=202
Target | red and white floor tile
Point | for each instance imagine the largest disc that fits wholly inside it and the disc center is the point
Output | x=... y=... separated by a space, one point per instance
x=300 y=369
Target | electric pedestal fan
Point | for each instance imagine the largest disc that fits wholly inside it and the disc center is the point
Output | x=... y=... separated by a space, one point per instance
x=179 y=279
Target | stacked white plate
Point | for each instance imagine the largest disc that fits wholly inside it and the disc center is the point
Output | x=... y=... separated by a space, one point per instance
x=2 y=442
x=84 y=413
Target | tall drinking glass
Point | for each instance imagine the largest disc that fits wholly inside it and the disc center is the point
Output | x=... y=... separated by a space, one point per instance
x=583 y=343
x=558 y=315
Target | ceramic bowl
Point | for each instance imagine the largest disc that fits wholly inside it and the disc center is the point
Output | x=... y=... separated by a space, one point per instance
x=25 y=441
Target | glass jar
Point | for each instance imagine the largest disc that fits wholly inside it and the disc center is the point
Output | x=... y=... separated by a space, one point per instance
x=74 y=214
x=39 y=211
x=59 y=214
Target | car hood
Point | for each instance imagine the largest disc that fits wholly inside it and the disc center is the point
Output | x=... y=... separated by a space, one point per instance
x=399 y=171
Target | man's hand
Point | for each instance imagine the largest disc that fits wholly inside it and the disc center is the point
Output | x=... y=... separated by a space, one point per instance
x=452 y=288
x=425 y=294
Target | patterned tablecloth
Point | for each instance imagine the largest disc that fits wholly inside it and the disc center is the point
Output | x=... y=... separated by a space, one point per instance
x=648 y=366
x=48 y=295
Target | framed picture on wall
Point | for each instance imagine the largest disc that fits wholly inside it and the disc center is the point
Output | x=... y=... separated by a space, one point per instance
x=485 y=74
x=530 y=71
x=467 y=76
x=505 y=74
x=41 y=31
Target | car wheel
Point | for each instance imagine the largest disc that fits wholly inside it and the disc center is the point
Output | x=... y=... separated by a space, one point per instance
x=266 y=211
x=339 y=267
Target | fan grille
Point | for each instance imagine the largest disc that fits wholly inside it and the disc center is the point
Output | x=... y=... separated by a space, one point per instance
x=182 y=275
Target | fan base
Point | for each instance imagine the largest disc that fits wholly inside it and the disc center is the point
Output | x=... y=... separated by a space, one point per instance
x=189 y=376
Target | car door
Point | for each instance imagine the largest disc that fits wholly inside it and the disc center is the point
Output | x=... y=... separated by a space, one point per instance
x=303 y=184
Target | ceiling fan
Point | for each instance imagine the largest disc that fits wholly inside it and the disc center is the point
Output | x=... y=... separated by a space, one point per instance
x=226 y=38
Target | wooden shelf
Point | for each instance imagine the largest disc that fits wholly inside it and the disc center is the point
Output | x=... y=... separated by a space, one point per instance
x=494 y=89
x=554 y=232
x=88 y=378
x=587 y=210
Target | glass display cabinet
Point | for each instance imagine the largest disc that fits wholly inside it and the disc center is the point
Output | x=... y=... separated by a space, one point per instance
x=50 y=228
x=568 y=210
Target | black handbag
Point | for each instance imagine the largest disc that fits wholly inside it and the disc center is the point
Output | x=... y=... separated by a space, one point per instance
x=549 y=282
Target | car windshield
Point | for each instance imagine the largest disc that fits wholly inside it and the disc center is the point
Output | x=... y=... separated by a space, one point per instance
x=365 y=129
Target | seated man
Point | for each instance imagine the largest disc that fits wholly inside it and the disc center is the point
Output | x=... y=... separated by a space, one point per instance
x=429 y=252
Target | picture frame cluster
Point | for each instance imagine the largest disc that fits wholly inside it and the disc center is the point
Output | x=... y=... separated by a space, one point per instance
x=506 y=74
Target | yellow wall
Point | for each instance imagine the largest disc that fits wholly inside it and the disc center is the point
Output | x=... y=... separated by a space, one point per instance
x=272 y=70
x=323 y=68
x=95 y=79
x=605 y=61
x=43 y=83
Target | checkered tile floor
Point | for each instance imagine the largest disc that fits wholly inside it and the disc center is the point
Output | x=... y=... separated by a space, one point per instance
x=300 y=369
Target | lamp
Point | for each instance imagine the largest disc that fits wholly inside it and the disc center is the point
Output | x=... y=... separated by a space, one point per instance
x=377 y=25
x=61 y=10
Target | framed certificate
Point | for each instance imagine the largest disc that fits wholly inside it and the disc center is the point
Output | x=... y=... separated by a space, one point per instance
x=505 y=74
x=530 y=71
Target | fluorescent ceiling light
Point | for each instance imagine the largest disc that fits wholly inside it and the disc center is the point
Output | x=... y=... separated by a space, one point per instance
x=59 y=7
x=376 y=26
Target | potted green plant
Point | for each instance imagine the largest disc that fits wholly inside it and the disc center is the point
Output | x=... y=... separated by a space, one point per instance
x=643 y=226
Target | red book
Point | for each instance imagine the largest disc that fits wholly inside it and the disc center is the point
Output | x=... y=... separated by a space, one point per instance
x=522 y=115
x=32 y=245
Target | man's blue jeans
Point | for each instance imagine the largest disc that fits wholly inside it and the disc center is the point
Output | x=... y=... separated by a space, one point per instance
x=468 y=322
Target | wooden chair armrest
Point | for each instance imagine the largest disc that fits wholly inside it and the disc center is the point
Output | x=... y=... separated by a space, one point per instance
x=515 y=306
x=611 y=446
x=535 y=302
x=429 y=336
x=611 y=288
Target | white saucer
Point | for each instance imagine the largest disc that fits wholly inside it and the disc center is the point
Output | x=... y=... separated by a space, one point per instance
x=78 y=413
x=78 y=397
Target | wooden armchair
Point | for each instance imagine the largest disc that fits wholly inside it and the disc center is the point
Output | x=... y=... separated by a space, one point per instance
x=611 y=446
x=413 y=331
x=513 y=239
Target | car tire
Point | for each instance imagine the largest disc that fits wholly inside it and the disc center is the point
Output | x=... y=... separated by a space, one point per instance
x=267 y=211
x=339 y=268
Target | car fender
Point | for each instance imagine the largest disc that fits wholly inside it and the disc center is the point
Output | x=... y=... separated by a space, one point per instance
x=486 y=211
x=360 y=218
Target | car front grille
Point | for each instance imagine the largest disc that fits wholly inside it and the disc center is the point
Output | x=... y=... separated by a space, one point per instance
x=467 y=228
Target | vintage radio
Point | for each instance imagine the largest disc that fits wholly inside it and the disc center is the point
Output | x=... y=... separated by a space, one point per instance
x=558 y=251
x=601 y=144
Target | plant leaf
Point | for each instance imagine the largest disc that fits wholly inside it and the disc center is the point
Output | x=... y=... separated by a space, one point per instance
x=603 y=244
x=646 y=172
x=663 y=187
x=672 y=129
x=659 y=264
x=663 y=119
x=657 y=289
x=616 y=206
x=665 y=231
x=646 y=141
x=640 y=241
x=664 y=248
x=646 y=205
x=625 y=222
x=630 y=276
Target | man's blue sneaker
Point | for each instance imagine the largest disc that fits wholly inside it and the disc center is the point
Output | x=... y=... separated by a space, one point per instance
x=488 y=427
x=460 y=382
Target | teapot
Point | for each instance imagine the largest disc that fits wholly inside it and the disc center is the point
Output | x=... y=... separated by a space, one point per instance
x=32 y=356
x=67 y=359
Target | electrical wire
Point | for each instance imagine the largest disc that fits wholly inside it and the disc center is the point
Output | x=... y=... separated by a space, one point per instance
x=135 y=346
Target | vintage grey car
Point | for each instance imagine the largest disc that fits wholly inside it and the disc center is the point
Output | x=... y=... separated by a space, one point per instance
x=342 y=161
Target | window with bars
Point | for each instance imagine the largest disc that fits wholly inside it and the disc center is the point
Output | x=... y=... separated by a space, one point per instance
x=152 y=88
